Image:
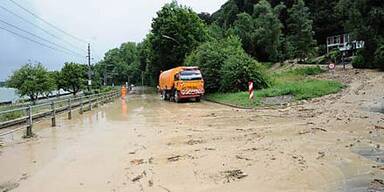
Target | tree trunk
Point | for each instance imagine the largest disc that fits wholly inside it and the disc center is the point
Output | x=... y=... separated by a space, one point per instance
x=33 y=99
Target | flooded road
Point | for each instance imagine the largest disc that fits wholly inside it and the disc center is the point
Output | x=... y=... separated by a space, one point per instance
x=91 y=152
x=144 y=144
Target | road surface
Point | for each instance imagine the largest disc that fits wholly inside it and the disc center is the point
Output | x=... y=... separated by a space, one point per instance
x=144 y=144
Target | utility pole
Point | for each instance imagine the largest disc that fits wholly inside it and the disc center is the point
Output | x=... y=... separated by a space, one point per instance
x=142 y=79
x=89 y=68
x=129 y=84
x=105 y=77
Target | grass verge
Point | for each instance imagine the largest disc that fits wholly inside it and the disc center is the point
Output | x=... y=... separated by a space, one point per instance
x=295 y=82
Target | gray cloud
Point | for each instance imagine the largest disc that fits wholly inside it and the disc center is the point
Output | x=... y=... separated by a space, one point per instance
x=105 y=23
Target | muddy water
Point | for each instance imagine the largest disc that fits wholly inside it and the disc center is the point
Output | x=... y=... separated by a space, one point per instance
x=144 y=144
x=90 y=152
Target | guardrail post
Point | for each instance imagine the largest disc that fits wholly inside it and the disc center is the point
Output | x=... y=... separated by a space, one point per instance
x=29 y=122
x=90 y=102
x=53 y=114
x=81 y=105
x=97 y=100
x=69 y=108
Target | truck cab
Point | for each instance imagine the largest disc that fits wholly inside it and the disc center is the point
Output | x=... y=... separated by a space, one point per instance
x=181 y=83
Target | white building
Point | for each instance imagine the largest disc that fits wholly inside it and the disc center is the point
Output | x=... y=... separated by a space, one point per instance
x=343 y=42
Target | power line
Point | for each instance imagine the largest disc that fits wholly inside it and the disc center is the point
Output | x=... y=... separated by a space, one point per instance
x=42 y=29
x=29 y=39
x=45 y=21
x=43 y=39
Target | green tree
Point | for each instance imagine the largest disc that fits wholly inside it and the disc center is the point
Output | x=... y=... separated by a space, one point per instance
x=176 y=31
x=225 y=66
x=227 y=14
x=268 y=28
x=261 y=33
x=32 y=81
x=216 y=32
x=379 y=56
x=245 y=28
x=97 y=78
x=326 y=20
x=73 y=77
x=206 y=17
x=129 y=53
x=300 y=32
x=121 y=64
x=365 y=19
x=145 y=52
x=130 y=61
x=55 y=76
x=145 y=57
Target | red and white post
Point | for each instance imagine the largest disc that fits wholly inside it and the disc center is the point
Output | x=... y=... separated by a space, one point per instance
x=251 y=89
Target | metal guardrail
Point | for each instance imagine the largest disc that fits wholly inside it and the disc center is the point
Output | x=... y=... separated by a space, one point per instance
x=40 y=100
x=27 y=115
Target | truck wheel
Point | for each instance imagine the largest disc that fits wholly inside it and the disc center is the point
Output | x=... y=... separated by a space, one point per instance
x=176 y=97
x=164 y=95
x=198 y=99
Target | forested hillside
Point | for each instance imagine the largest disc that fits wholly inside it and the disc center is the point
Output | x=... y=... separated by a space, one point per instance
x=266 y=30
x=323 y=13
x=364 y=19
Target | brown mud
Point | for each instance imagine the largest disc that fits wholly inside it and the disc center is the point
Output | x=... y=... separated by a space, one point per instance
x=333 y=143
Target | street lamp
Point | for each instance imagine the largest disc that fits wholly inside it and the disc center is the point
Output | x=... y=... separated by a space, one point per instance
x=171 y=38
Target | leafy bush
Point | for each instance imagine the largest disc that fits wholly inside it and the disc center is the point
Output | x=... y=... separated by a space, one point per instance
x=106 y=89
x=238 y=70
x=379 y=56
x=209 y=57
x=358 y=61
x=225 y=66
x=335 y=55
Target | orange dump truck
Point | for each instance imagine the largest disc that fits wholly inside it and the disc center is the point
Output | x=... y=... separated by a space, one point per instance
x=181 y=83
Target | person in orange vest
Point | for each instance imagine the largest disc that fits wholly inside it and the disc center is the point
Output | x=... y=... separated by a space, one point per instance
x=123 y=92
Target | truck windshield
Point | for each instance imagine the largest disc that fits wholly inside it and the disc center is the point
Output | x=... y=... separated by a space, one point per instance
x=190 y=75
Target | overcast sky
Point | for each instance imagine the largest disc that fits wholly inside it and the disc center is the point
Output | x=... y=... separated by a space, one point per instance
x=105 y=23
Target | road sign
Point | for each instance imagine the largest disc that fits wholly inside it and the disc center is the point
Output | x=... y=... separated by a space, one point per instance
x=251 y=90
x=331 y=66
